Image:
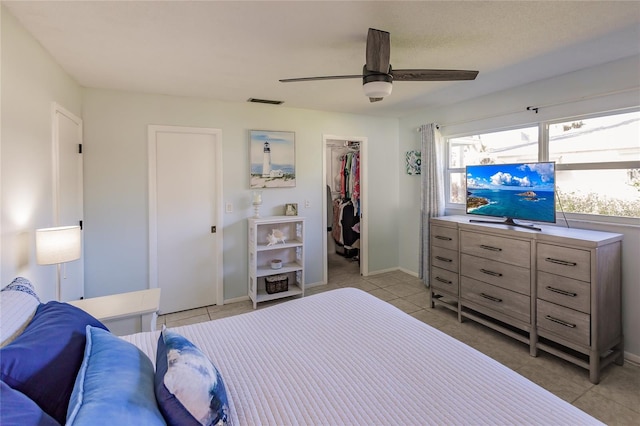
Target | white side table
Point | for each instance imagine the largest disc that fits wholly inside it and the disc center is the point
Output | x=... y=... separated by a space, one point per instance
x=143 y=303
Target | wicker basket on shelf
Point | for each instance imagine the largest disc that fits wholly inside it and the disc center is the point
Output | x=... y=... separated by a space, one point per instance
x=276 y=283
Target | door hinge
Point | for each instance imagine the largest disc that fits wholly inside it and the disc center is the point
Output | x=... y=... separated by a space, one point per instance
x=213 y=229
x=80 y=223
x=79 y=148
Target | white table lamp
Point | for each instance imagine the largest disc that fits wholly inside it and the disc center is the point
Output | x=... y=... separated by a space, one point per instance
x=58 y=245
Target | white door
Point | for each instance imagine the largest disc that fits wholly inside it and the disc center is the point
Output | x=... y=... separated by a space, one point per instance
x=185 y=196
x=67 y=189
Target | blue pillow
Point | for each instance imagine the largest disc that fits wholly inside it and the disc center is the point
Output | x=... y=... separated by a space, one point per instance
x=189 y=388
x=44 y=360
x=114 y=385
x=18 y=410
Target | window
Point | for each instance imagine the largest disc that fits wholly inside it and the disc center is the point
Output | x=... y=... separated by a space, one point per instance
x=507 y=146
x=597 y=161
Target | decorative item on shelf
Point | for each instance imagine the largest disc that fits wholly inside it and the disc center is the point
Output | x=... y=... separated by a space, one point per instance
x=276 y=264
x=414 y=162
x=291 y=209
x=58 y=245
x=275 y=236
x=276 y=283
x=256 y=200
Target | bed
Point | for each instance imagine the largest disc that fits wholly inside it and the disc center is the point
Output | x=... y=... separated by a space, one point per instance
x=343 y=357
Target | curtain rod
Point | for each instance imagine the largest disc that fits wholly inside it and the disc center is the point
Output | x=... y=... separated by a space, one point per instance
x=538 y=107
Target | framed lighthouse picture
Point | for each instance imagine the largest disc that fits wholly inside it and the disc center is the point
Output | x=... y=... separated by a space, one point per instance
x=272 y=158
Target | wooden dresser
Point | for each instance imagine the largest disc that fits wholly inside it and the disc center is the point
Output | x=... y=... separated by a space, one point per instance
x=558 y=290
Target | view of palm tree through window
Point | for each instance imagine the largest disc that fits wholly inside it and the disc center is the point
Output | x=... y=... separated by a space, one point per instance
x=597 y=161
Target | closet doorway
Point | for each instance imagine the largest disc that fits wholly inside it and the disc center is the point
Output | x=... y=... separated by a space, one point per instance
x=345 y=204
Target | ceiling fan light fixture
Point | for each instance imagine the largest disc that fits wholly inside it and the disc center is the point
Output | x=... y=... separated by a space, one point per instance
x=377 y=89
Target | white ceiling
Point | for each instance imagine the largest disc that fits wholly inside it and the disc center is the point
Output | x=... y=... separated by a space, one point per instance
x=234 y=50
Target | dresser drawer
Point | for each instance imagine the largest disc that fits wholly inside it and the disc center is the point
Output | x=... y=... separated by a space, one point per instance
x=564 y=322
x=568 y=262
x=574 y=294
x=510 y=303
x=445 y=281
x=510 y=277
x=444 y=237
x=444 y=258
x=502 y=249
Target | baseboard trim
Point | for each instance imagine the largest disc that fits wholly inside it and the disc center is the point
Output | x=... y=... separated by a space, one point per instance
x=383 y=271
x=632 y=358
x=406 y=271
x=236 y=299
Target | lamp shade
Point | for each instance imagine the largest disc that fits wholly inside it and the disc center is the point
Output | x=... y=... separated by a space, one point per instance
x=57 y=245
x=377 y=89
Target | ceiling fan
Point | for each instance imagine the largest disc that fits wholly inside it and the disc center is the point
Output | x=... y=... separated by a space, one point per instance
x=378 y=76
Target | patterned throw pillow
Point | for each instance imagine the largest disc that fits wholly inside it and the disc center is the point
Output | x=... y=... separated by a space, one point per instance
x=189 y=388
x=18 y=304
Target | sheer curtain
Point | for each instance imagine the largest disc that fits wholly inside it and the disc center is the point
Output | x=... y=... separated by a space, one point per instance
x=432 y=180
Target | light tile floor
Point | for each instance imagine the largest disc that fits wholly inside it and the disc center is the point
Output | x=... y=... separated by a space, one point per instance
x=615 y=400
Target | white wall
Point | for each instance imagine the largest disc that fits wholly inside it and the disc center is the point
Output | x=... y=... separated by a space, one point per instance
x=115 y=149
x=508 y=108
x=31 y=81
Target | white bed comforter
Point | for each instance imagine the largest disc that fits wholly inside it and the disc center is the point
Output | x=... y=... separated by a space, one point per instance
x=346 y=357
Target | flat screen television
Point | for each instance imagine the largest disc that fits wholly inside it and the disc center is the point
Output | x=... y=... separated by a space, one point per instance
x=522 y=191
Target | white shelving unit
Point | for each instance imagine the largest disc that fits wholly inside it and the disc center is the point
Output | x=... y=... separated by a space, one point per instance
x=290 y=252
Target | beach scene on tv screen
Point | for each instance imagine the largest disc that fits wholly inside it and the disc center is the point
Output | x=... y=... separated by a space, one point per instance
x=518 y=191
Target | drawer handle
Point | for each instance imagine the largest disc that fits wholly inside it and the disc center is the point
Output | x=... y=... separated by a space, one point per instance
x=560 y=262
x=493 y=299
x=442 y=280
x=559 y=321
x=494 y=274
x=440 y=237
x=444 y=259
x=562 y=292
x=490 y=248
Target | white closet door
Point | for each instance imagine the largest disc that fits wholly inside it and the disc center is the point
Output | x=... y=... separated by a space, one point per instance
x=67 y=138
x=186 y=209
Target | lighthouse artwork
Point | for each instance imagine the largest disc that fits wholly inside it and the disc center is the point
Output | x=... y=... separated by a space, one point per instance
x=272 y=158
x=266 y=161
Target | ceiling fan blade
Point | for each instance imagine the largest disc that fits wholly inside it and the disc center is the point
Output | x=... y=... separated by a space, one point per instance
x=433 y=75
x=378 y=51
x=375 y=99
x=328 y=77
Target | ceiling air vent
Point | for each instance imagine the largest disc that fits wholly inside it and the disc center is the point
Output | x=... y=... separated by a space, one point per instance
x=264 y=101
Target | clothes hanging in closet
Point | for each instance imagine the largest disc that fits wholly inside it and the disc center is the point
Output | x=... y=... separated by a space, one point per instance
x=345 y=230
x=350 y=179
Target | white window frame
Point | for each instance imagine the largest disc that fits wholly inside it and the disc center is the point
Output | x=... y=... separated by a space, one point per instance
x=543 y=155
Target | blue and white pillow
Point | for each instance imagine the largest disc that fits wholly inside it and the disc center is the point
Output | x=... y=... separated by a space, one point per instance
x=189 y=388
x=18 y=304
x=22 y=284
